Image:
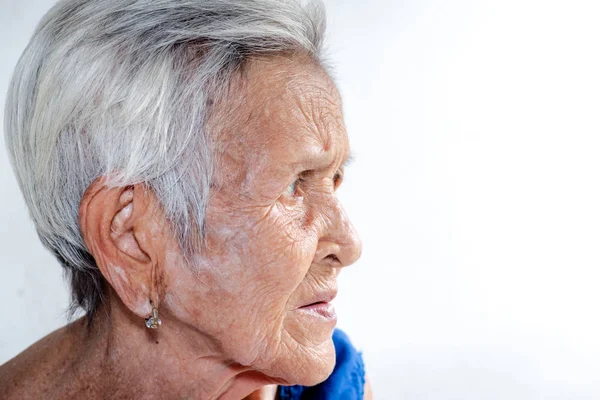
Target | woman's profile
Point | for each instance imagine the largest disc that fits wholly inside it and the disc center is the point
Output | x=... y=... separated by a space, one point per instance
x=180 y=158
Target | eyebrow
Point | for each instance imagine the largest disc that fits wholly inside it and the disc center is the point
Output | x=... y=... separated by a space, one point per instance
x=310 y=161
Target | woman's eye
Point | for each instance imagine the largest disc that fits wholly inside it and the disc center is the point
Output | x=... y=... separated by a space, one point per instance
x=292 y=189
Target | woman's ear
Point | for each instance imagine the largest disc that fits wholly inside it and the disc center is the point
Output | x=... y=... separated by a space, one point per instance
x=118 y=225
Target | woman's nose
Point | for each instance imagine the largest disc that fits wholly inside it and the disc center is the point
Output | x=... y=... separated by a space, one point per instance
x=340 y=245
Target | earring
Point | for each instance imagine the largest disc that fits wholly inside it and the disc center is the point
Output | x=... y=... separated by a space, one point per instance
x=153 y=322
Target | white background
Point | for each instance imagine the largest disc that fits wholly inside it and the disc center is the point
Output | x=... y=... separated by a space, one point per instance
x=476 y=127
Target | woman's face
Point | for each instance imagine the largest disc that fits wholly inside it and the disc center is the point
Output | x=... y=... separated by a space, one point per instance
x=276 y=235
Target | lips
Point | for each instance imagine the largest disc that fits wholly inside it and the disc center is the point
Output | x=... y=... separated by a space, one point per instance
x=321 y=309
x=323 y=297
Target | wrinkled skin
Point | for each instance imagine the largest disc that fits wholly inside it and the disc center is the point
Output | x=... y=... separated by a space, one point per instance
x=276 y=239
x=273 y=247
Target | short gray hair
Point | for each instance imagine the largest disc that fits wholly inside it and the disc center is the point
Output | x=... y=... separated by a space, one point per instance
x=122 y=89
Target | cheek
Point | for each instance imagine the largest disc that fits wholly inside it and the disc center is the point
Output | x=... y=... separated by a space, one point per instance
x=243 y=280
x=254 y=262
x=274 y=255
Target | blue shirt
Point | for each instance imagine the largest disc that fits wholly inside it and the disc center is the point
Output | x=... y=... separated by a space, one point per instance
x=347 y=381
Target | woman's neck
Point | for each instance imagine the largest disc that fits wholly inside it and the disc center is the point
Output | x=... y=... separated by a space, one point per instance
x=128 y=360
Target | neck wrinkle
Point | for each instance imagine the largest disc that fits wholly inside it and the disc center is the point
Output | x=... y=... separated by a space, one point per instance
x=134 y=361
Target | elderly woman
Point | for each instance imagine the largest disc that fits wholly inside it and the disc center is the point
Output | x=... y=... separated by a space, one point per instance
x=180 y=159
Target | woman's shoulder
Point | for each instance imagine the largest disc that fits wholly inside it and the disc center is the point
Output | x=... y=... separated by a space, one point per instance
x=35 y=372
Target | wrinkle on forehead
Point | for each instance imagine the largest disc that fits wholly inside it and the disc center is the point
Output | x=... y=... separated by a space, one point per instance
x=318 y=106
x=275 y=105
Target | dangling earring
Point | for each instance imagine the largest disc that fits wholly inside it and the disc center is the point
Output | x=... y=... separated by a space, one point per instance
x=153 y=322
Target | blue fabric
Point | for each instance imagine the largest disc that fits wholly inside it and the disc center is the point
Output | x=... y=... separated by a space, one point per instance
x=347 y=380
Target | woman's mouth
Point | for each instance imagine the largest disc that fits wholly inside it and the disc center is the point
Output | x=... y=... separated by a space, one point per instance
x=321 y=309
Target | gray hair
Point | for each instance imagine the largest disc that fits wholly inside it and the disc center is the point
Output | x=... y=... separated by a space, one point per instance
x=122 y=89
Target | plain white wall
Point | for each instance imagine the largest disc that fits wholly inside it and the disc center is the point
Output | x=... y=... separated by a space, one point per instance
x=476 y=127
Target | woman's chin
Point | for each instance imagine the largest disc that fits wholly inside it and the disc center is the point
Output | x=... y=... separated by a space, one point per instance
x=309 y=366
x=318 y=375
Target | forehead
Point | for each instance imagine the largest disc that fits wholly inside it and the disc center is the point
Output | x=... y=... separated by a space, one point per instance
x=283 y=106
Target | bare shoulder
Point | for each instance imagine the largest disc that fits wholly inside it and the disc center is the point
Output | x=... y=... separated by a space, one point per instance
x=35 y=372
x=368 y=390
